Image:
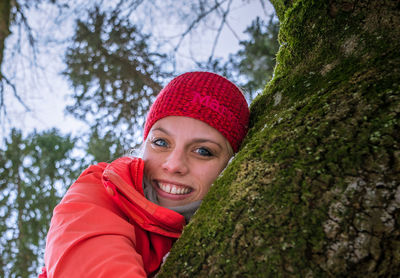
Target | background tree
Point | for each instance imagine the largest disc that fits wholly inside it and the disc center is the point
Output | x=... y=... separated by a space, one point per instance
x=113 y=72
x=13 y=16
x=115 y=68
x=104 y=148
x=254 y=63
x=5 y=9
x=172 y=29
x=252 y=66
x=116 y=76
x=34 y=173
x=315 y=190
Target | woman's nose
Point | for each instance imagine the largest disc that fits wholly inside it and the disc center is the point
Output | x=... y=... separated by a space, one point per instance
x=176 y=163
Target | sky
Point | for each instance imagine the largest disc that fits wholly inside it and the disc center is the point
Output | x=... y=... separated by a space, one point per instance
x=45 y=91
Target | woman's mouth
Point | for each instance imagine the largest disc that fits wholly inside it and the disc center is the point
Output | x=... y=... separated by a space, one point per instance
x=174 y=189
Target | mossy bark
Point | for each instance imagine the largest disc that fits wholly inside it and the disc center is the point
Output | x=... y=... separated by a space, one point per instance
x=315 y=190
x=5 y=10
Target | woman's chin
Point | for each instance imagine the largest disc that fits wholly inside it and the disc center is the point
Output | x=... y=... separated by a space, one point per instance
x=172 y=202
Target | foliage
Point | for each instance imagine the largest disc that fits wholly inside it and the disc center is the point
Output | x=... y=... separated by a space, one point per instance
x=104 y=148
x=113 y=72
x=34 y=172
x=253 y=65
x=115 y=75
x=255 y=62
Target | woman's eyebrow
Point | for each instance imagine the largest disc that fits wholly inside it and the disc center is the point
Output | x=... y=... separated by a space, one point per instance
x=206 y=140
x=161 y=129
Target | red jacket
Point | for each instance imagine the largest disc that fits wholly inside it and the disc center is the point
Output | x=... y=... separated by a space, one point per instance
x=105 y=227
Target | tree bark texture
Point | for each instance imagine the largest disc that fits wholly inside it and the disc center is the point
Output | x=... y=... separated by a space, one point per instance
x=315 y=190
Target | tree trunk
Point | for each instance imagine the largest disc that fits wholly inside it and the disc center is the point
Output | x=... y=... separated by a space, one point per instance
x=5 y=9
x=315 y=190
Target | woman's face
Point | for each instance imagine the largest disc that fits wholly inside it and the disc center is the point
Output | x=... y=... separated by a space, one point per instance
x=183 y=157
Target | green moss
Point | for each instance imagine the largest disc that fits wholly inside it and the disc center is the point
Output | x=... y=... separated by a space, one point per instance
x=324 y=135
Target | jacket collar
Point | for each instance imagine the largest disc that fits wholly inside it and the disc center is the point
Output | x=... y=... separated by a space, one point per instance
x=124 y=177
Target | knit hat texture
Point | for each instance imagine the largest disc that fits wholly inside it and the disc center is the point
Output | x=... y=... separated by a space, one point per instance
x=207 y=97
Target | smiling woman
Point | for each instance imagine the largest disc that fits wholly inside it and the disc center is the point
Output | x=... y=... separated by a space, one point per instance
x=183 y=157
x=120 y=219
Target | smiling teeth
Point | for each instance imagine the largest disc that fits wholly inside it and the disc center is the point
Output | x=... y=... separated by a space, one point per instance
x=173 y=189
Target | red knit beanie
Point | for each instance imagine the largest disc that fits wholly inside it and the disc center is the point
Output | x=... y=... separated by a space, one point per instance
x=207 y=97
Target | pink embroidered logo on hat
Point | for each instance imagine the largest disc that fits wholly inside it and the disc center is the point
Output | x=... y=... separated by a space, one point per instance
x=214 y=105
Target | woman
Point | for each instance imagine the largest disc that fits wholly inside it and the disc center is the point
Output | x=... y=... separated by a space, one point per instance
x=121 y=219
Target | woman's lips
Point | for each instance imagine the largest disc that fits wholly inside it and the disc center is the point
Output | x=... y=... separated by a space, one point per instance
x=172 y=190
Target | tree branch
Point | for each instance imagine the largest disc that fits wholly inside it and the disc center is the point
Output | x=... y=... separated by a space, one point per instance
x=221 y=26
x=15 y=94
x=196 y=21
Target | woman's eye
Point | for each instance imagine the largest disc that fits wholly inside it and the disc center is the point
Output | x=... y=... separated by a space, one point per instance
x=160 y=143
x=203 y=152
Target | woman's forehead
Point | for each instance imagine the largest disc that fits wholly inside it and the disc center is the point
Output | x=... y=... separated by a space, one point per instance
x=187 y=127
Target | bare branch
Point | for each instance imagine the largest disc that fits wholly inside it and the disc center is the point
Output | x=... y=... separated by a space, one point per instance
x=132 y=6
x=16 y=93
x=262 y=2
x=221 y=26
x=232 y=30
x=2 y=106
x=197 y=21
x=31 y=38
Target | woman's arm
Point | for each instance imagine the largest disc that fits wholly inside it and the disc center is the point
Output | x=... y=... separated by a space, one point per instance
x=89 y=236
